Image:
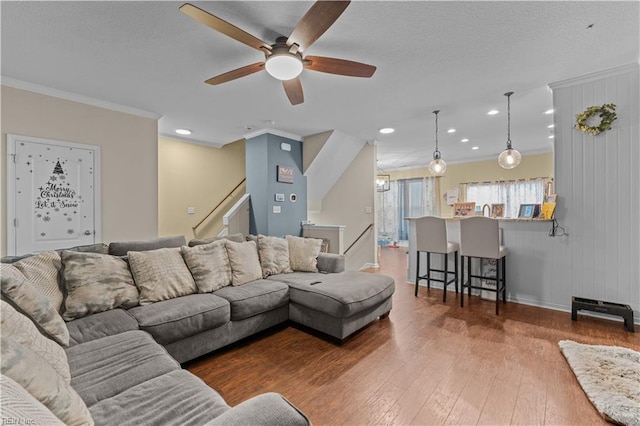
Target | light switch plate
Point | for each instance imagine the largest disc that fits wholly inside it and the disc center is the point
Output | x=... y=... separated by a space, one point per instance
x=191 y=210
x=277 y=209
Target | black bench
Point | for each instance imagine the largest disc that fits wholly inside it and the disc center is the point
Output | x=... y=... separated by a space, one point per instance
x=625 y=311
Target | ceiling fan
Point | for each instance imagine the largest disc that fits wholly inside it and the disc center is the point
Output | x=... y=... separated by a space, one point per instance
x=283 y=59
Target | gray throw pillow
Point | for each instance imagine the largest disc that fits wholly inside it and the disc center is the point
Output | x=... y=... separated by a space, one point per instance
x=238 y=238
x=274 y=255
x=303 y=253
x=96 y=283
x=209 y=265
x=25 y=298
x=245 y=264
x=161 y=275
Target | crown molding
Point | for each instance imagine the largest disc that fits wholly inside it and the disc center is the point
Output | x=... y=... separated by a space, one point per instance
x=31 y=87
x=177 y=138
x=272 y=131
x=586 y=78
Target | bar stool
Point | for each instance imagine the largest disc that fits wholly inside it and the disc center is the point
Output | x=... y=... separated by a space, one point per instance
x=480 y=238
x=431 y=237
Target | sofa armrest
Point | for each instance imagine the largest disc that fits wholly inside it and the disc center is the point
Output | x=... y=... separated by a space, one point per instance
x=266 y=409
x=331 y=262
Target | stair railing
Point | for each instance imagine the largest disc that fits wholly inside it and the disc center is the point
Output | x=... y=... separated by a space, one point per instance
x=359 y=237
x=195 y=228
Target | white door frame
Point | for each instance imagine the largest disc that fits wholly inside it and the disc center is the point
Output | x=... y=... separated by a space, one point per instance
x=12 y=140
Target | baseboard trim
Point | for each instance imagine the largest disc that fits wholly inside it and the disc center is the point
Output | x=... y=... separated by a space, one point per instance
x=369 y=265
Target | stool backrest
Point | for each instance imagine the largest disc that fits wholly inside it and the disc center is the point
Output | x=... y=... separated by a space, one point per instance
x=431 y=234
x=480 y=237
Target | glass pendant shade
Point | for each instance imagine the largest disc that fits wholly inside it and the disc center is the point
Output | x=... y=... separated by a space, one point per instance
x=437 y=166
x=509 y=158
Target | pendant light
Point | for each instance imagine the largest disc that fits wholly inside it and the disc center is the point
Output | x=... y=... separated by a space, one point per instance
x=509 y=158
x=437 y=166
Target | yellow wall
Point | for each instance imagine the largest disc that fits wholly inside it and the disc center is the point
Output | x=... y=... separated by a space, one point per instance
x=532 y=166
x=128 y=150
x=198 y=176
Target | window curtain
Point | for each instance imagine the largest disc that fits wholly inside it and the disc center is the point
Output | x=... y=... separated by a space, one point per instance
x=405 y=198
x=511 y=194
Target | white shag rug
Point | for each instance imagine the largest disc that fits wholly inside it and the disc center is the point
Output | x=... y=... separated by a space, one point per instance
x=610 y=376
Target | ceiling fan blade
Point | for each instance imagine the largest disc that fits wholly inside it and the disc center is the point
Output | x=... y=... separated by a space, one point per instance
x=315 y=22
x=237 y=73
x=222 y=26
x=338 y=66
x=293 y=88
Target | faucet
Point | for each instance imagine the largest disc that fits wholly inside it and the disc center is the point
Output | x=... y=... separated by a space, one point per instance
x=488 y=207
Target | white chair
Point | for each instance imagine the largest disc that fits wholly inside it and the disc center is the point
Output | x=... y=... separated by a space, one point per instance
x=431 y=237
x=480 y=238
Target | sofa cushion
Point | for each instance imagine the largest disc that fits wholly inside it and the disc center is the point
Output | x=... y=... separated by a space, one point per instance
x=96 y=283
x=238 y=238
x=161 y=274
x=26 y=299
x=339 y=295
x=274 y=255
x=41 y=380
x=175 y=398
x=19 y=328
x=175 y=319
x=100 y=325
x=254 y=298
x=265 y=409
x=106 y=367
x=244 y=260
x=43 y=271
x=303 y=253
x=16 y=403
x=121 y=248
x=209 y=265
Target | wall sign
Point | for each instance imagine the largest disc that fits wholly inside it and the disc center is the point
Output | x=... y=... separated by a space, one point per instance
x=285 y=174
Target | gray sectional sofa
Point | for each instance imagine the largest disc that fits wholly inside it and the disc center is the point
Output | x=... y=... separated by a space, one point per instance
x=124 y=361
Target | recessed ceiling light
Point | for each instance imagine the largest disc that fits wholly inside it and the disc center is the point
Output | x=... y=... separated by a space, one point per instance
x=451 y=131
x=386 y=130
x=549 y=111
x=183 y=131
x=493 y=112
x=551 y=137
x=464 y=140
x=550 y=126
x=475 y=147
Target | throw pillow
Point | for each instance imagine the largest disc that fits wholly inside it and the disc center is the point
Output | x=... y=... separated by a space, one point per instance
x=20 y=329
x=25 y=298
x=245 y=264
x=303 y=253
x=238 y=238
x=42 y=271
x=96 y=283
x=37 y=377
x=16 y=403
x=209 y=265
x=274 y=255
x=161 y=275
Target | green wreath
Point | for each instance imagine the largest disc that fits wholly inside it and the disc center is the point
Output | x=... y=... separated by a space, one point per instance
x=607 y=114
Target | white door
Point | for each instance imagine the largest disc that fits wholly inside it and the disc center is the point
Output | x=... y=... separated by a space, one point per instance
x=53 y=194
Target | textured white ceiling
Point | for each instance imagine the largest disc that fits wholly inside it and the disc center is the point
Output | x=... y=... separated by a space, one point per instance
x=458 y=57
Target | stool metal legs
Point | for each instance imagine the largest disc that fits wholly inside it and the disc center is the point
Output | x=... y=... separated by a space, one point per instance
x=445 y=271
x=500 y=279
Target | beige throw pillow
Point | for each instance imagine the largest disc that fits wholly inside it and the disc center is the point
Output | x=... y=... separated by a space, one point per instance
x=41 y=380
x=16 y=403
x=43 y=271
x=161 y=274
x=274 y=255
x=19 y=328
x=25 y=298
x=245 y=264
x=209 y=265
x=303 y=253
x=96 y=283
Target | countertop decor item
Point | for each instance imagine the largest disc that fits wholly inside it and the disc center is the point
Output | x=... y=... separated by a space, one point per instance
x=607 y=114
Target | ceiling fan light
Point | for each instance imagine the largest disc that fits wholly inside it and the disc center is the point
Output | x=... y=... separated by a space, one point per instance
x=283 y=66
x=509 y=158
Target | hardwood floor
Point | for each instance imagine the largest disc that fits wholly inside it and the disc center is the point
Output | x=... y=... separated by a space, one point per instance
x=427 y=363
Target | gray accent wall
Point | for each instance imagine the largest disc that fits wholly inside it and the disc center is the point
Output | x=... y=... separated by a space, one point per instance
x=263 y=156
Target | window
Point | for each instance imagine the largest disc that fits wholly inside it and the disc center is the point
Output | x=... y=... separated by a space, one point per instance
x=405 y=198
x=511 y=194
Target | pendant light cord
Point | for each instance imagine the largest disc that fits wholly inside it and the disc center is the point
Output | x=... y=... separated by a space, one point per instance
x=437 y=150
x=508 y=95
